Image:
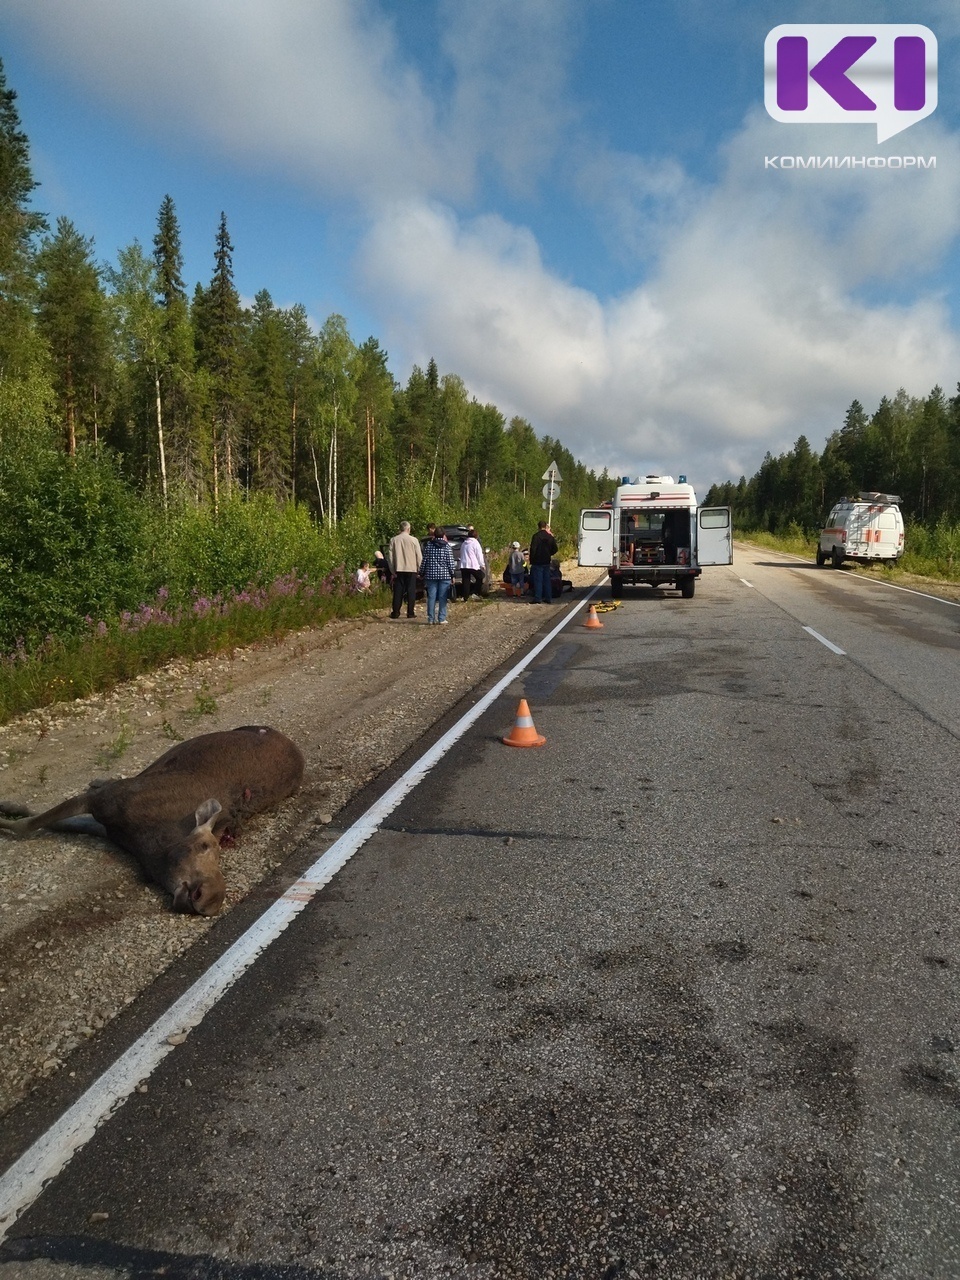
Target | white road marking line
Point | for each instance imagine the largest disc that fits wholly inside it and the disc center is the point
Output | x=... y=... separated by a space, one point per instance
x=873 y=582
x=26 y=1178
x=911 y=591
x=746 y=583
x=823 y=640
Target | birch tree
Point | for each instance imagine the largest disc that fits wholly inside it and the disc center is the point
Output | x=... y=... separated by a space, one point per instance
x=336 y=397
x=176 y=349
x=140 y=332
x=373 y=413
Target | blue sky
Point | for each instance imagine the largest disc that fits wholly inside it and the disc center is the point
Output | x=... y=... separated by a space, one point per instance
x=565 y=203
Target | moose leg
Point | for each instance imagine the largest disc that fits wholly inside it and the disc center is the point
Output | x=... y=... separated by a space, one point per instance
x=18 y=827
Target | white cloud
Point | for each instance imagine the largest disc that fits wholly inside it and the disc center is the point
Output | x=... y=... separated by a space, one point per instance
x=509 y=60
x=478 y=292
x=635 y=200
x=318 y=90
x=750 y=331
x=311 y=88
x=869 y=224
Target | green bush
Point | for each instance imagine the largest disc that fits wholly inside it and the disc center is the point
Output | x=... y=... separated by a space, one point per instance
x=70 y=546
x=85 y=548
x=932 y=551
x=247 y=541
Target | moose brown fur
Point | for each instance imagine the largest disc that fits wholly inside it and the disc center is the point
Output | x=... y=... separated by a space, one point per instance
x=172 y=816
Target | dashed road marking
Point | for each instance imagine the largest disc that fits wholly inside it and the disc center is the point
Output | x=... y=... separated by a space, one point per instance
x=823 y=640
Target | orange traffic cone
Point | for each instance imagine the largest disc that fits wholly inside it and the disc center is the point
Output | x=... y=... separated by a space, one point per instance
x=524 y=733
x=593 y=619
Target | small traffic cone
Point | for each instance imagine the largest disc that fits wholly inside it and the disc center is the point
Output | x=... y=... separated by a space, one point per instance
x=524 y=733
x=593 y=618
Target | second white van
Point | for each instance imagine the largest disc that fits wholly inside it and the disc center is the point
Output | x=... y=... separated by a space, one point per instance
x=866 y=528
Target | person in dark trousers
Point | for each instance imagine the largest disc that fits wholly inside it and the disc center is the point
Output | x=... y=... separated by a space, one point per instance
x=473 y=566
x=404 y=555
x=543 y=547
x=438 y=569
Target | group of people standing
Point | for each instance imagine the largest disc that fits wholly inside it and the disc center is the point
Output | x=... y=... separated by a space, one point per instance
x=435 y=562
x=406 y=559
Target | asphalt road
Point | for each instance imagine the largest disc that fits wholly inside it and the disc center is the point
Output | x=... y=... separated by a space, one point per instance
x=673 y=995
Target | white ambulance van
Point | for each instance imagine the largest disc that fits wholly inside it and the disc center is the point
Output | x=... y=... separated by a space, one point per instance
x=653 y=533
x=866 y=528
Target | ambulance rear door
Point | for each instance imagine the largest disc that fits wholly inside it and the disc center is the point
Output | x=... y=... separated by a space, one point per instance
x=714 y=536
x=595 y=546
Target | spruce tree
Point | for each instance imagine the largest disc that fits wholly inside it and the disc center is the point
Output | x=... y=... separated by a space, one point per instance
x=930 y=454
x=452 y=428
x=219 y=334
x=416 y=410
x=484 y=453
x=168 y=256
x=19 y=227
x=522 y=456
x=176 y=347
x=267 y=460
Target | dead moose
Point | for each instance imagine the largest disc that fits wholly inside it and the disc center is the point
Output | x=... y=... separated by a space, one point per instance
x=173 y=816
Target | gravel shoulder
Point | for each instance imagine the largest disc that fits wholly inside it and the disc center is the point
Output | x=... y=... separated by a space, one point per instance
x=81 y=932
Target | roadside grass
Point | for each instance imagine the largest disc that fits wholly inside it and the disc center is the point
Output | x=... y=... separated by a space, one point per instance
x=795 y=542
x=135 y=643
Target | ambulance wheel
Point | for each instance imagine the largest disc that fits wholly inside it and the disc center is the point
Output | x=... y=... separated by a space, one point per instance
x=687 y=587
x=821 y=558
x=616 y=588
x=836 y=558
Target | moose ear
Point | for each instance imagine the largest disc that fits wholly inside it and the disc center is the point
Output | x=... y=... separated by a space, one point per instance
x=206 y=814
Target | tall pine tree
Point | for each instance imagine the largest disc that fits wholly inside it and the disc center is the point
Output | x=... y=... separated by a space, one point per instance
x=19 y=227
x=267 y=451
x=25 y=393
x=72 y=318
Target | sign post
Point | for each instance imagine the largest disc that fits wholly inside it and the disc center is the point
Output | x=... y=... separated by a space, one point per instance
x=551 y=490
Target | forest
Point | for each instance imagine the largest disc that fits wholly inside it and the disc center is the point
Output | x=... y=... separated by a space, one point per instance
x=909 y=447
x=162 y=447
x=180 y=472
